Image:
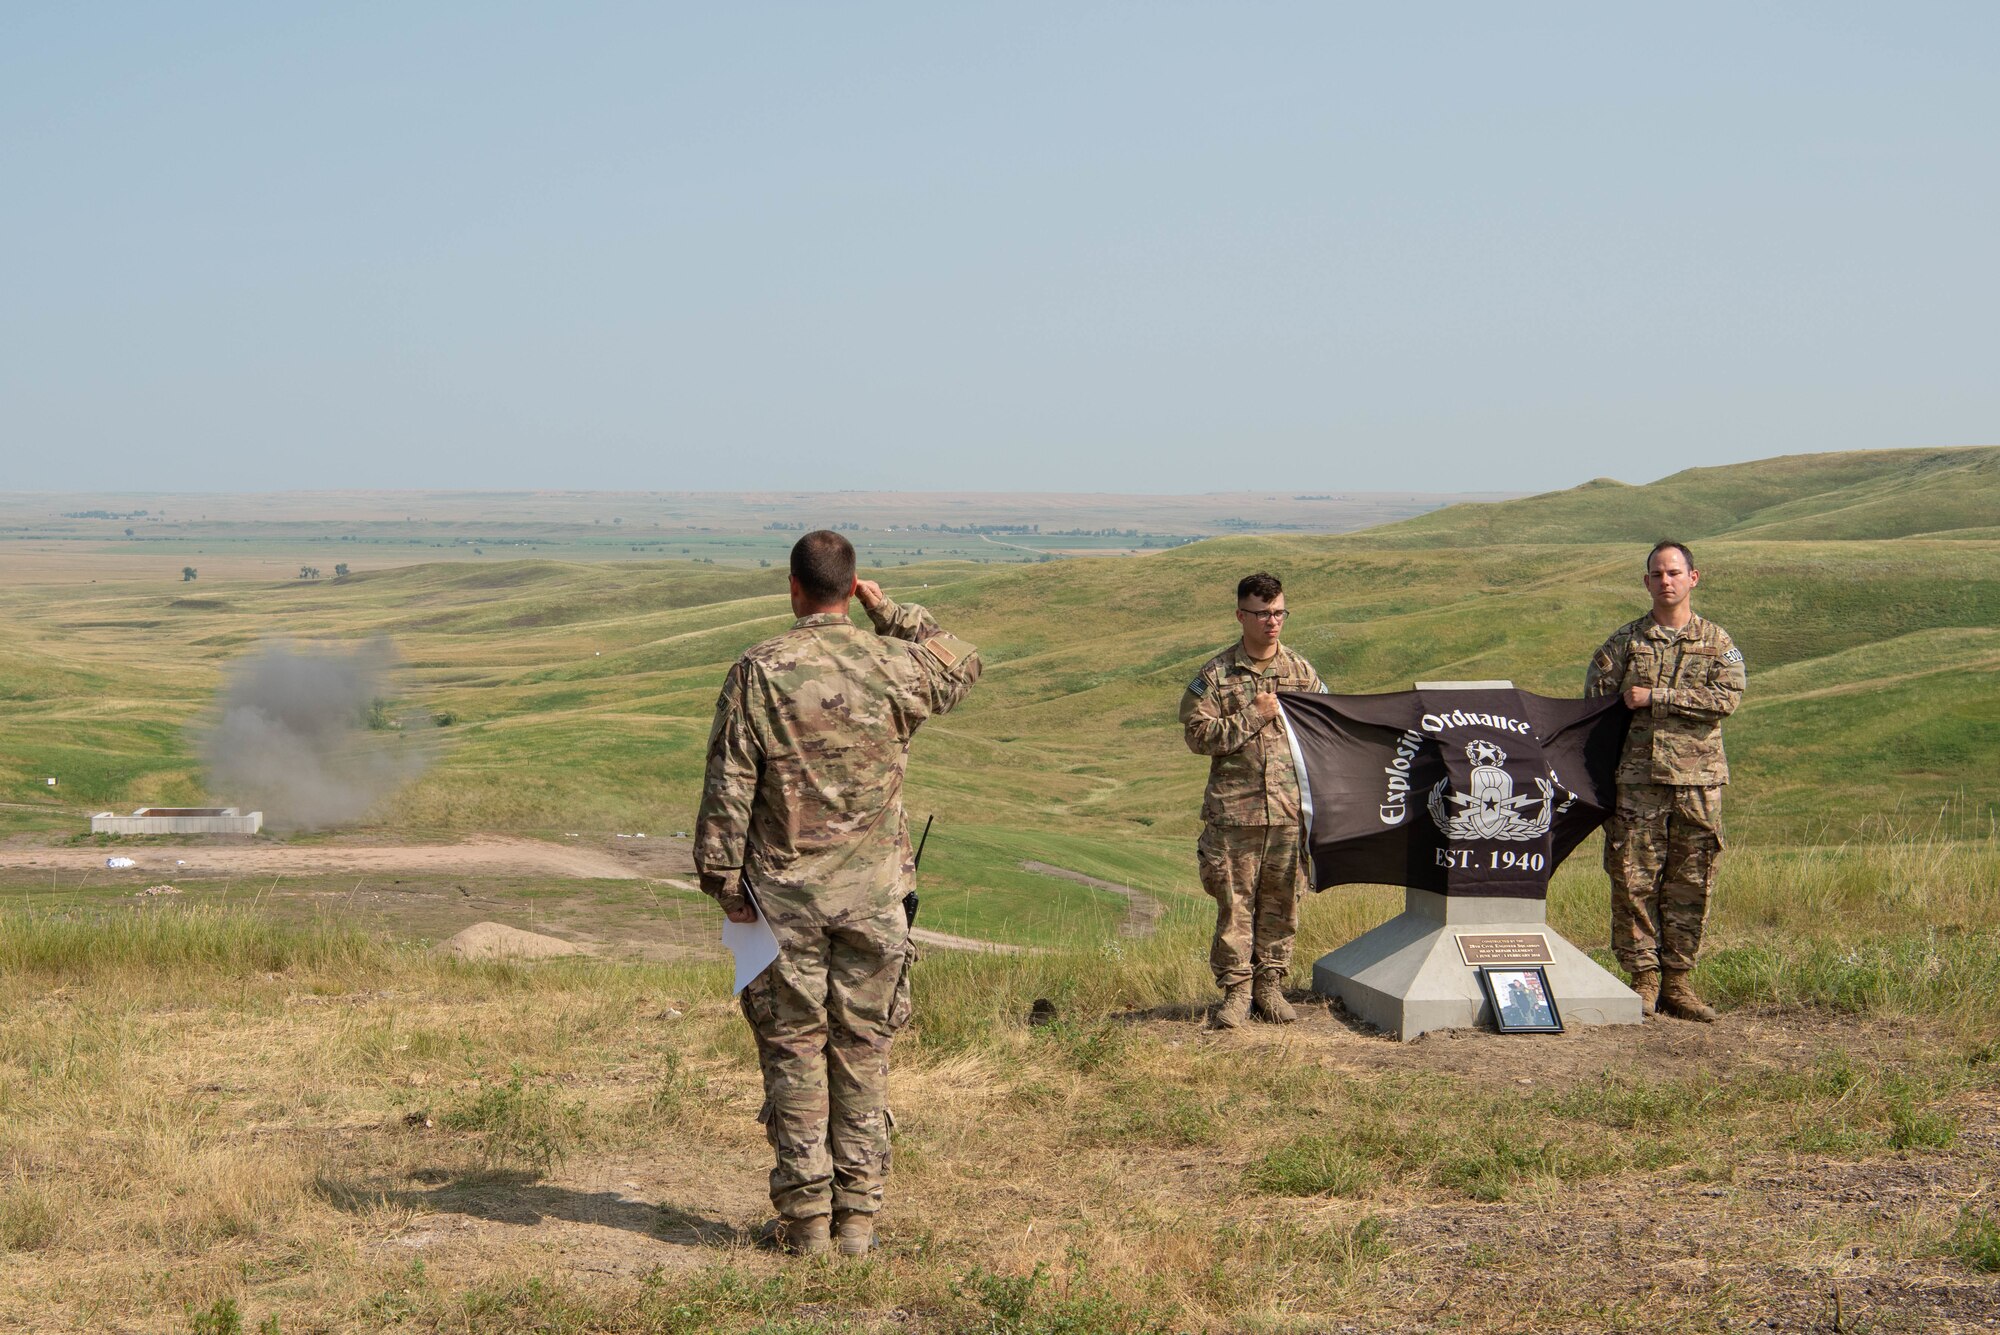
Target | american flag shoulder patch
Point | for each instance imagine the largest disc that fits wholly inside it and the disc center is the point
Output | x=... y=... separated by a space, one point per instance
x=1199 y=686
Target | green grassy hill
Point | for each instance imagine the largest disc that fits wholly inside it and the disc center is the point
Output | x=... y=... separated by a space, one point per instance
x=1863 y=588
x=1864 y=494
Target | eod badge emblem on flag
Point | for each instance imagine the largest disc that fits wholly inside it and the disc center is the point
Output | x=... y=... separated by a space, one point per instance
x=1464 y=791
x=1491 y=810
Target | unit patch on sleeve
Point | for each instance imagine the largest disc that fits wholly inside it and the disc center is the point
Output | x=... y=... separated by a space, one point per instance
x=947 y=649
x=1733 y=656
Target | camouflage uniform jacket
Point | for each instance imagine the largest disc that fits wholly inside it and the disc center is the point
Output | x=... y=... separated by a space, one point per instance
x=1697 y=679
x=1251 y=778
x=803 y=796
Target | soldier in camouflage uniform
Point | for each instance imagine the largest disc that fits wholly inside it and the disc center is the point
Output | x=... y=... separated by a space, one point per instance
x=1681 y=675
x=1252 y=847
x=802 y=806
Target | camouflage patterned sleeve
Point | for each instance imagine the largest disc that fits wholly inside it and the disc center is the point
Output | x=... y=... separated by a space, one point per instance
x=729 y=788
x=1607 y=668
x=950 y=666
x=1210 y=732
x=903 y=622
x=1714 y=699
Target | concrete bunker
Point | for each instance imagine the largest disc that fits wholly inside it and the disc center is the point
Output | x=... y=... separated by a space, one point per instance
x=178 y=820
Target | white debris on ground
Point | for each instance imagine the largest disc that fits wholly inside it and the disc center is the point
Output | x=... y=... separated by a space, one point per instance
x=493 y=940
x=156 y=890
x=119 y=863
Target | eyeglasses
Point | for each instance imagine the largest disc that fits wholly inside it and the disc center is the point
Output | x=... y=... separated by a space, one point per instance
x=1272 y=614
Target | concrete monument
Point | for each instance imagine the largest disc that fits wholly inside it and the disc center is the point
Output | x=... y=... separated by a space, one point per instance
x=1467 y=794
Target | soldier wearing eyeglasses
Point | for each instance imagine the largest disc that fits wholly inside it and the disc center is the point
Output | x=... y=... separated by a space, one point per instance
x=1252 y=849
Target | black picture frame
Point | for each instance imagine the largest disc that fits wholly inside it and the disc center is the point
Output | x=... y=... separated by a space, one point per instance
x=1521 y=998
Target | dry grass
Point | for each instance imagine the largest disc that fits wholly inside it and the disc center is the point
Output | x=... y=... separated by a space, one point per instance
x=202 y=1109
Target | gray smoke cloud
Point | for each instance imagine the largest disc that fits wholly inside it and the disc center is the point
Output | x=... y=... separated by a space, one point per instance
x=299 y=734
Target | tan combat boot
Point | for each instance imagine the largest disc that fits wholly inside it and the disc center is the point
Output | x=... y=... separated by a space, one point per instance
x=854 y=1234
x=811 y=1236
x=1272 y=1007
x=1677 y=998
x=1646 y=982
x=1235 y=1007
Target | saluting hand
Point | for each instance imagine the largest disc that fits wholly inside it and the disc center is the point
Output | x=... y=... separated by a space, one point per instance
x=870 y=593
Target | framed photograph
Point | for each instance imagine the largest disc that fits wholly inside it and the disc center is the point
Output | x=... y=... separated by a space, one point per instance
x=1521 y=999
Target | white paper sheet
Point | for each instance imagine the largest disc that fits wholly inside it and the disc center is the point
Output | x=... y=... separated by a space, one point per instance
x=754 y=944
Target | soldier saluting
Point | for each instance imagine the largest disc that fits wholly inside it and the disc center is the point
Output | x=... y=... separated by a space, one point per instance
x=1681 y=675
x=1252 y=851
x=802 y=805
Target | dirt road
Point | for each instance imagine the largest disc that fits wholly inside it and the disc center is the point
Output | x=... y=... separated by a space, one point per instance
x=1142 y=911
x=492 y=854
x=664 y=861
x=617 y=897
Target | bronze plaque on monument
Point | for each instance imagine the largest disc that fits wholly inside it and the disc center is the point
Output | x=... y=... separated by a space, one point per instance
x=1477 y=948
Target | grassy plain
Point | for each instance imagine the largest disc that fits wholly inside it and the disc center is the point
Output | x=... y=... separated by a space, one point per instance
x=265 y=1105
x=581 y=692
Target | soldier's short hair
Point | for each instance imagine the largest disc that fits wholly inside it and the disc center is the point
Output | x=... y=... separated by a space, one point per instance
x=1663 y=545
x=823 y=564
x=1262 y=585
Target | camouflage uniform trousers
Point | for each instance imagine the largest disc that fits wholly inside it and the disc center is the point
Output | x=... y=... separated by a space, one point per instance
x=1255 y=874
x=1660 y=848
x=823 y=1015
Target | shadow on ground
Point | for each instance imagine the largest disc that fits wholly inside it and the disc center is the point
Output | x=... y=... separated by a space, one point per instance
x=519 y=1198
x=1310 y=1004
x=1178 y=1010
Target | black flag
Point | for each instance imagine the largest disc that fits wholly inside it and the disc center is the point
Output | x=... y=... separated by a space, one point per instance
x=1464 y=791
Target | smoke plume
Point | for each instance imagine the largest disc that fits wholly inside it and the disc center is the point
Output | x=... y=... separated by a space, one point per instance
x=302 y=734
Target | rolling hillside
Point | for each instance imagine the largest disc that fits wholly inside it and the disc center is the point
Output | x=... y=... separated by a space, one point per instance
x=1864 y=589
x=1840 y=497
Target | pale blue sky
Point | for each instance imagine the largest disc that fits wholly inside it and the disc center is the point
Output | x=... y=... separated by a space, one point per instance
x=945 y=246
